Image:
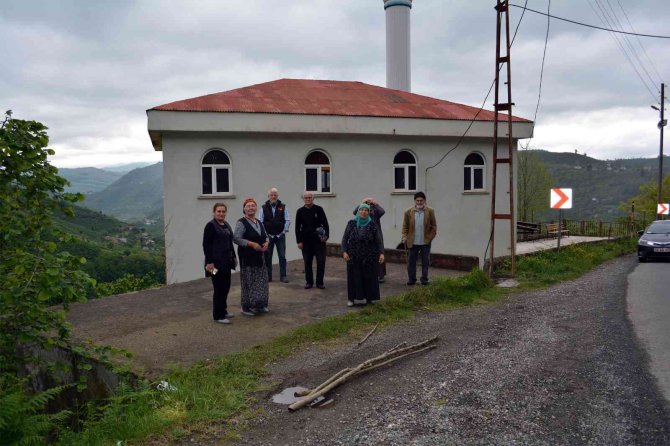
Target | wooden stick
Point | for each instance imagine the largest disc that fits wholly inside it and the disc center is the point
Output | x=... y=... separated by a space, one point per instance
x=368 y=335
x=368 y=365
x=402 y=344
x=325 y=383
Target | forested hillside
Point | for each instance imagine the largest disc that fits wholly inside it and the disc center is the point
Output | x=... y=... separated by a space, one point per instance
x=598 y=187
x=133 y=197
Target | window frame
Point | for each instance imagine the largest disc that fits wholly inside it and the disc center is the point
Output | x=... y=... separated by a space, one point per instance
x=406 y=174
x=214 y=170
x=320 y=170
x=470 y=170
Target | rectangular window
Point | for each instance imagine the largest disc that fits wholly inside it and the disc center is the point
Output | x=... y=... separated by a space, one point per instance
x=206 y=180
x=399 y=178
x=412 y=177
x=311 y=178
x=479 y=178
x=222 y=183
x=325 y=179
x=467 y=179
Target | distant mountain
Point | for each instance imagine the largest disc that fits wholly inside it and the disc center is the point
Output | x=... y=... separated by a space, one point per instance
x=133 y=197
x=88 y=179
x=598 y=187
x=125 y=168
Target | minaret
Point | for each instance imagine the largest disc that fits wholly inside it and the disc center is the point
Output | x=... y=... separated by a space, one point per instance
x=398 y=56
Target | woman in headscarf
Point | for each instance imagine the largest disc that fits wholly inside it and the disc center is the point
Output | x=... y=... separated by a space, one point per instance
x=252 y=241
x=363 y=250
x=217 y=244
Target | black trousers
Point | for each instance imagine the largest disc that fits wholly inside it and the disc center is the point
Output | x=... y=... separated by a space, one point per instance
x=221 y=283
x=311 y=249
x=414 y=252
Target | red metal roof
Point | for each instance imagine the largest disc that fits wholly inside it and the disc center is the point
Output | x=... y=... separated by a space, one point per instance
x=335 y=98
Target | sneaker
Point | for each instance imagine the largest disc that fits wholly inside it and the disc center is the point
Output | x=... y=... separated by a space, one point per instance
x=350 y=303
x=360 y=301
x=264 y=310
x=223 y=321
x=248 y=313
x=229 y=315
x=284 y=279
x=321 y=287
x=308 y=286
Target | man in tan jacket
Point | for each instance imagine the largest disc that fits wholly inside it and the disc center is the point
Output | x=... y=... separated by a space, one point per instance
x=419 y=228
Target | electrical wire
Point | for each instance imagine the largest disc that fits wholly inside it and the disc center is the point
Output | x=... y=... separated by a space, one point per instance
x=474 y=118
x=591 y=26
x=544 y=55
x=605 y=20
x=639 y=42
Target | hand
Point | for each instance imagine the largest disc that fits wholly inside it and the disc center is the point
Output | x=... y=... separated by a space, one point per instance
x=209 y=267
x=300 y=245
x=345 y=256
x=381 y=258
x=265 y=245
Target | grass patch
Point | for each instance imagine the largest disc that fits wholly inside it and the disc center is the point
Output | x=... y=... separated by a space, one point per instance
x=224 y=389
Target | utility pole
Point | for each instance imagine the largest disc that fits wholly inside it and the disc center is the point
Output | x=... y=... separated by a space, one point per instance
x=661 y=124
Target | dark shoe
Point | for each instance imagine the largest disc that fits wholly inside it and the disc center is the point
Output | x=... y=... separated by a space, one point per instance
x=248 y=312
x=269 y=279
x=264 y=310
x=321 y=287
x=411 y=282
x=308 y=286
x=380 y=280
x=424 y=282
x=284 y=279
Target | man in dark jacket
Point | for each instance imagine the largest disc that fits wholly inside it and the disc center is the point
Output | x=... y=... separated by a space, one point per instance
x=311 y=233
x=275 y=217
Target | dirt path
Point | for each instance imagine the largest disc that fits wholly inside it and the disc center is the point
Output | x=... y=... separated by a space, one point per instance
x=557 y=366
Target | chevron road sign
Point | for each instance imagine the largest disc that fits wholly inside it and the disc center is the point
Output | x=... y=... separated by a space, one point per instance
x=560 y=198
x=663 y=209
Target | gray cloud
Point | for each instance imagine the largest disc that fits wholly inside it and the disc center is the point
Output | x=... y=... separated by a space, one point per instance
x=89 y=70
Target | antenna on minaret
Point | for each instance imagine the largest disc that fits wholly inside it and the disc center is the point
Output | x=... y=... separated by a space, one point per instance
x=398 y=56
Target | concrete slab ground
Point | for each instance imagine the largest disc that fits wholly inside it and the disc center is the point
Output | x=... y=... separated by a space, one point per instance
x=173 y=324
x=551 y=243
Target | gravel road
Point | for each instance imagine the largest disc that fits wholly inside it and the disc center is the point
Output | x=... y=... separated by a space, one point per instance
x=560 y=366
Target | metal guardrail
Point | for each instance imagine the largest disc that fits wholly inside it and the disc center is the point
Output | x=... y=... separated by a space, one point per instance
x=587 y=228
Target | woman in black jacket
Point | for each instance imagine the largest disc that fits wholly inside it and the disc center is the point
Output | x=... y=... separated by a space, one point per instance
x=217 y=244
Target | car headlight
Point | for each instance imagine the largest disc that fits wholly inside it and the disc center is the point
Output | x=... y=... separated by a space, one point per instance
x=646 y=242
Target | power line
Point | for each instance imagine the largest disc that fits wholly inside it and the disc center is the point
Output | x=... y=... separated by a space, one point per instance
x=544 y=55
x=474 y=118
x=591 y=26
x=639 y=42
x=605 y=21
x=615 y=20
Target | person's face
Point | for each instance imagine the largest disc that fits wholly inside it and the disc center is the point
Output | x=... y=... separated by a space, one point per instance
x=250 y=209
x=308 y=199
x=420 y=202
x=363 y=212
x=273 y=196
x=220 y=213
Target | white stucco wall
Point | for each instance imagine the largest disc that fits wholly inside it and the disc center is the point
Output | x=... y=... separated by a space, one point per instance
x=361 y=166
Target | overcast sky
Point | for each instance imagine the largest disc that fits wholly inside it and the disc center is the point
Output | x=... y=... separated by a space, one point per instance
x=89 y=70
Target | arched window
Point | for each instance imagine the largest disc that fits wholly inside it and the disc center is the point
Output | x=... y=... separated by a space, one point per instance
x=317 y=172
x=473 y=172
x=404 y=171
x=216 y=173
